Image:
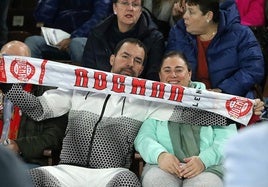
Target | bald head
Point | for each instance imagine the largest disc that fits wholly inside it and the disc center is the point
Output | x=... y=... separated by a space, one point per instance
x=16 y=48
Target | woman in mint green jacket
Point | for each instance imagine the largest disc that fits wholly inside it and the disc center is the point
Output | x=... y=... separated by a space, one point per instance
x=181 y=155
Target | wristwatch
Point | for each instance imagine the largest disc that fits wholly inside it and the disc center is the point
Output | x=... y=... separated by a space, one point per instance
x=6 y=142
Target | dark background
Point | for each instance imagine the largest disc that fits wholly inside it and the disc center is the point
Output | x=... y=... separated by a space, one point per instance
x=20 y=20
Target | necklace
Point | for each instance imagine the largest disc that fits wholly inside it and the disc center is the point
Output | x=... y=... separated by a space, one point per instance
x=206 y=37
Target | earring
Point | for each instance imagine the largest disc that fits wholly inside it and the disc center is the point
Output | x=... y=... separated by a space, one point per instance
x=208 y=21
x=115 y=12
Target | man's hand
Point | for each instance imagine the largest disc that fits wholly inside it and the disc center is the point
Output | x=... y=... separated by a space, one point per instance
x=64 y=44
x=193 y=167
x=178 y=10
x=215 y=90
x=12 y=145
x=258 y=107
x=169 y=163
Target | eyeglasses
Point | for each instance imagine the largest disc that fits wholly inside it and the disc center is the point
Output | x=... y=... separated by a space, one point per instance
x=126 y=4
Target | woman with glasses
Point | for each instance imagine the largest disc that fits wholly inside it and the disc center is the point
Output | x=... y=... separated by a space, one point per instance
x=128 y=20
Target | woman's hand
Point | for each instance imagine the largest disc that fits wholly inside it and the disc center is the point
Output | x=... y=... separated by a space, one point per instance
x=169 y=163
x=193 y=167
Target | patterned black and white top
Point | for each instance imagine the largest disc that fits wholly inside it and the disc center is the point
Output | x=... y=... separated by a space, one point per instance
x=102 y=128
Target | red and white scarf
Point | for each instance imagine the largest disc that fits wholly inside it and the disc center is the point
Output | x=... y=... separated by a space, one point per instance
x=17 y=69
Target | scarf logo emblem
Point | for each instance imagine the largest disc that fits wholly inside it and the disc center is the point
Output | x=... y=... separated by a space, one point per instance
x=238 y=106
x=22 y=69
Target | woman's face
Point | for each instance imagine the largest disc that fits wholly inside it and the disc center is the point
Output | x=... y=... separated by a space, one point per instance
x=174 y=71
x=196 y=23
x=128 y=13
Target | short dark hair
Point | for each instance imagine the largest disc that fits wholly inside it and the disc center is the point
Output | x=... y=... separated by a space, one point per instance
x=133 y=41
x=115 y=1
x=178 y=54
x=207 y=5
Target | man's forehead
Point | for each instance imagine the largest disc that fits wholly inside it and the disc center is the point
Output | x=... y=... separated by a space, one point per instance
x=136 y=1
x=132 y=48
x=15 y=50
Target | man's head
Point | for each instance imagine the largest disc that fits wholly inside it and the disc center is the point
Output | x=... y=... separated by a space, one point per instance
x=115 y=1
x=16 y=48
x=128 y=57
x=175 y=69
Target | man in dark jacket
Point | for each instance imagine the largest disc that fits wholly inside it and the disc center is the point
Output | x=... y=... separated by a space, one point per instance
x=128 y=21
x=76 y=17
x=32 y=137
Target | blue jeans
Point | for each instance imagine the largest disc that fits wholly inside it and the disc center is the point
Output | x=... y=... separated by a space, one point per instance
x=39 y=49
x=76 y=49
x=4 y=4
